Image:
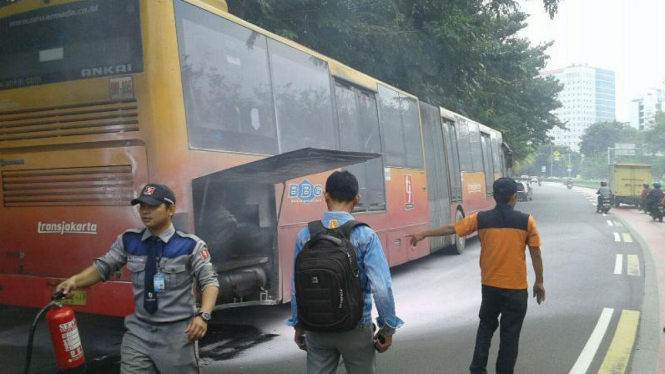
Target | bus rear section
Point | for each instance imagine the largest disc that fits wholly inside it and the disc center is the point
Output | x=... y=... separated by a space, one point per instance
x=59 y=211
x=72 y=155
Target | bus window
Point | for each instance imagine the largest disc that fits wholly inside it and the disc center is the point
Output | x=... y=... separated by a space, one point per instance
x=464 y=146
x=412 y=138
x=476 y=151
x=400 y=126
x=487 y=162
x=80 y=40
x=391 y=127
x=453 y=160
x=303 y=99
x=496 y=156
x=359 y=131
x=226 y=85
x=438 y=189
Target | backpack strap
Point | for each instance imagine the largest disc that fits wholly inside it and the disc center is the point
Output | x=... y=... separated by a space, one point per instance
x=316 y=228
x=346 y=228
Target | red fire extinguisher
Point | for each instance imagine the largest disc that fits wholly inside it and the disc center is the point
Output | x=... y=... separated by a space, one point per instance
x=64 y=337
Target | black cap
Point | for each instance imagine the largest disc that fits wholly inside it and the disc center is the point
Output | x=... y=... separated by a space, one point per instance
x=155 y=194
x=504 y=187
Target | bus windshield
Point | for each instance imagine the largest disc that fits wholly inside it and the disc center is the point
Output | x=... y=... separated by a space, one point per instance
x=79 y=40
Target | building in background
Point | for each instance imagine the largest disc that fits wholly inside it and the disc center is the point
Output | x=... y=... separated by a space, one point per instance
x=643 y=110
x=588 y=96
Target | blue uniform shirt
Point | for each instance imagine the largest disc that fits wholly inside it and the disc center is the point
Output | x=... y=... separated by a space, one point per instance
x=374 y=273
x=183 y=259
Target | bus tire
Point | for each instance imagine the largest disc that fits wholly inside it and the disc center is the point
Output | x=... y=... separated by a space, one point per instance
x=460 y=242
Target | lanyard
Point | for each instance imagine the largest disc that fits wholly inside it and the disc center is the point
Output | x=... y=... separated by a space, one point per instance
x=158 y=253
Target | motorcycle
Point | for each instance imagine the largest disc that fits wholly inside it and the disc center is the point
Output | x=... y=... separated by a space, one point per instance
x=605 y=205
x=569 y=185
x=658 y=212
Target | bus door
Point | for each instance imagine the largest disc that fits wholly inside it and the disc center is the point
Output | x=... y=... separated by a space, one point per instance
x=237 y=212
x=438 y=175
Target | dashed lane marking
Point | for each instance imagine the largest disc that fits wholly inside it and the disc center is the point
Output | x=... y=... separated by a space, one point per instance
x=626 y=237
x=618 y=265
x=633 y=266
x=591 y=347
x=609 y=222
x=618 y=355
x=617 y=238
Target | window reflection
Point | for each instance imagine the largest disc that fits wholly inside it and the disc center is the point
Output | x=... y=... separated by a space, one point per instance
x=303 y=99
x=226 y=85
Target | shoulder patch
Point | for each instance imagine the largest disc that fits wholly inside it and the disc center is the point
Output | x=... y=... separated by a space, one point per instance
x=204 y=253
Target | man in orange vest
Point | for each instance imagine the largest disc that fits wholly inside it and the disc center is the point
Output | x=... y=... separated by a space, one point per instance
x=504 y=232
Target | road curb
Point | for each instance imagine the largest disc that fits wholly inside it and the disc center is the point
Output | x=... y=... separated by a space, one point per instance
x=645 y=359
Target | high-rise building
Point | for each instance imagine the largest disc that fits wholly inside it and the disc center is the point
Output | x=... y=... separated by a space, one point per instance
x=587 y=97
x=643 y=110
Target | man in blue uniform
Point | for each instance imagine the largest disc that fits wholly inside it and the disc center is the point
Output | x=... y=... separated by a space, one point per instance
x=162 y=332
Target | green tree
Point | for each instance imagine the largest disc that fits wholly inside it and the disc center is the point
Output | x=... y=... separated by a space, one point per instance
x=544 y=156
x=600 y=136
x=654 y=138
x=464 y=55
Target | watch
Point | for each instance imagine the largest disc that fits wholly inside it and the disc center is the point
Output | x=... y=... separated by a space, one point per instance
x=205 y=316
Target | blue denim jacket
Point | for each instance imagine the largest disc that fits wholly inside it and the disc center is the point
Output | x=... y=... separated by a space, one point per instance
x=374 y=273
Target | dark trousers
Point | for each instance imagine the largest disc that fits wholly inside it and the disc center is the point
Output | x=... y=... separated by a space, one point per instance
x=511 y=306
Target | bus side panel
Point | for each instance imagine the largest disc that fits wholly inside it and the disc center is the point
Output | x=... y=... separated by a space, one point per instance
x=474 y=196
x=408 y=207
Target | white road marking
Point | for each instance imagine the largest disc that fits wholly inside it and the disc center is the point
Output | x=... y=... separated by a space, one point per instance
x=605 y=215
x=627 y=238
x=609 y=222
x=633 y=266
x=617 y=238
x=618 y=265
x=618 y=224
x=591 y=347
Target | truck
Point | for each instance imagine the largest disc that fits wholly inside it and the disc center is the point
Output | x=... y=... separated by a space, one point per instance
x=626 y=180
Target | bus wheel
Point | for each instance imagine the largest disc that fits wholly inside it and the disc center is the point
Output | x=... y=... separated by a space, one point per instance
x=460 y=242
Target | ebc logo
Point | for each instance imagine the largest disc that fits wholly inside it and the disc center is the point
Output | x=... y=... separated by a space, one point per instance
x=305 y=191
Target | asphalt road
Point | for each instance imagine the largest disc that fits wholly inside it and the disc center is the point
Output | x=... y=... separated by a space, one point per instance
x=586 y=325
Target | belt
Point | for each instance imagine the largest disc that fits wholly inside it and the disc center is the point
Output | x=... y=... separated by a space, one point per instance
x=161 y=323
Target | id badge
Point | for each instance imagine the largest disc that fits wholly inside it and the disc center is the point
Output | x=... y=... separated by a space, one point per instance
x=159 y=282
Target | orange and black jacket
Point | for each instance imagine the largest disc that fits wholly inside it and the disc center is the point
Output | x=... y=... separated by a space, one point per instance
x=504 y=233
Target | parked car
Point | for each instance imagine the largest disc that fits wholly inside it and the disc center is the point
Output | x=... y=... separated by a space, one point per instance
x=524 y=192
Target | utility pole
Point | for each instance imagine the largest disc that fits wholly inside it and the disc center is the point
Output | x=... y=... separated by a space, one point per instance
x=551 y=158
x=569 y=166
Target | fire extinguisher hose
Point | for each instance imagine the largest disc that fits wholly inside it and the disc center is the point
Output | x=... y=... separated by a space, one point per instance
x=28 y=357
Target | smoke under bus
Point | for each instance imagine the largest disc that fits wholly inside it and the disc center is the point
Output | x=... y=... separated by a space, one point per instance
x=99 y=97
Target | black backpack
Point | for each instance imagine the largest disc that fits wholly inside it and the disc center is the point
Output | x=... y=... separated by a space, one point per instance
x=327 y=280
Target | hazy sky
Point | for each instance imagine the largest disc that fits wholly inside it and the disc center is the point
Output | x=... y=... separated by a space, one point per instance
x=627 y=36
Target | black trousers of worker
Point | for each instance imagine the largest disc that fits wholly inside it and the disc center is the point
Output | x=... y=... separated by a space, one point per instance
x=511 y=305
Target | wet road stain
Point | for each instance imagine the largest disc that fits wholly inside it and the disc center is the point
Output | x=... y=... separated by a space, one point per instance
x=224 y=342
x=109 y=364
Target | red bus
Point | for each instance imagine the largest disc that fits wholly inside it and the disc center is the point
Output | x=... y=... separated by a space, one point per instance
x=99 y=97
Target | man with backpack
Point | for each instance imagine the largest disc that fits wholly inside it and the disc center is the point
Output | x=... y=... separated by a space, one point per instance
x=339 y=264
